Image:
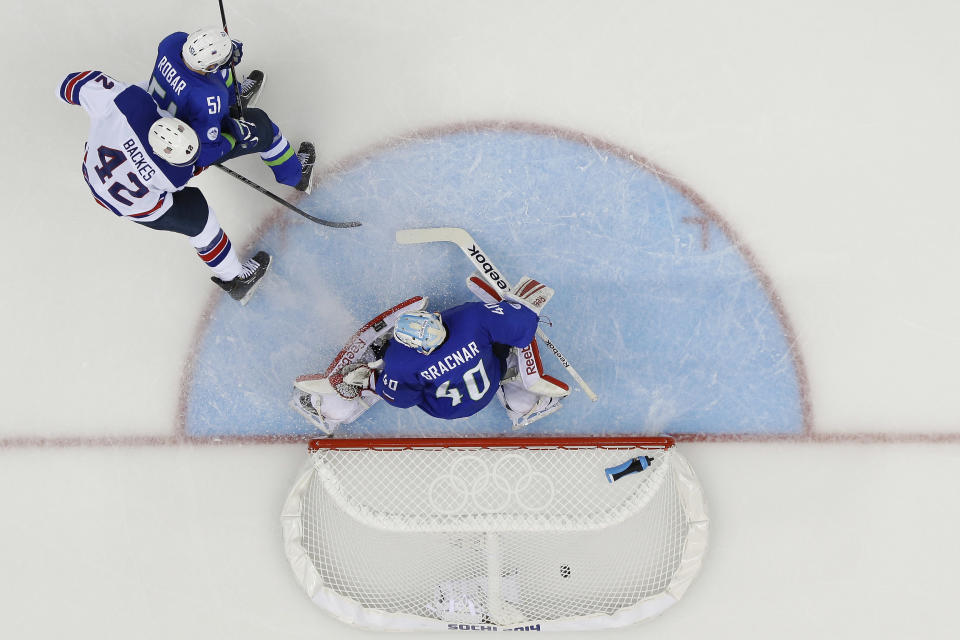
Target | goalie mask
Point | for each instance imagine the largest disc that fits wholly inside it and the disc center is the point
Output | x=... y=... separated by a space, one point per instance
x=420 y=330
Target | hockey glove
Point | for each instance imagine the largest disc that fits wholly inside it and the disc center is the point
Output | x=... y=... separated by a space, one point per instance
x=235 y=55
x=531 y=294
x=482 y=289
x=352 y=379
x=243 y=131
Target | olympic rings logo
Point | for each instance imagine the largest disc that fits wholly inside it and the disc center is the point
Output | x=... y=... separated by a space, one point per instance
x=473 y=484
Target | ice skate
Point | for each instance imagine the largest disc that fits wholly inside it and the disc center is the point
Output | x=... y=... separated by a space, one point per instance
x=308 y=155
x=544 y=406
x=252 y=271
x=303 y=405
x=251 y=87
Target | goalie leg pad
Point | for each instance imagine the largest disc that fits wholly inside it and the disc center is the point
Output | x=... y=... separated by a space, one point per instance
x=524 y=407
x=335 y=408
x=360 y=347
x=532 y=375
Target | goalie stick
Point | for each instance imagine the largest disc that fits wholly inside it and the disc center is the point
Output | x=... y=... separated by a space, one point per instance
x=494 y=276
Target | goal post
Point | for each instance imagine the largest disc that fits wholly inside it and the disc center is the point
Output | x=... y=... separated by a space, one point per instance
x=495 y=533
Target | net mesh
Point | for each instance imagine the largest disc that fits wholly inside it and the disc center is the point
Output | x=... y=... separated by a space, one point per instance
x=493 y=536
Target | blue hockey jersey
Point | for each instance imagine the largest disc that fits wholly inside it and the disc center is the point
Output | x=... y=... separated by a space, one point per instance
x=200 y=100
x=463 y=374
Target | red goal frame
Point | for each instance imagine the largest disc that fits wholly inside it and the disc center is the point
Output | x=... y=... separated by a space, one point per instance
x=526 y=442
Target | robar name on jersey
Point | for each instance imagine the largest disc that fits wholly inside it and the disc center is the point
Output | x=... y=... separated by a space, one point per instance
x=169 y=73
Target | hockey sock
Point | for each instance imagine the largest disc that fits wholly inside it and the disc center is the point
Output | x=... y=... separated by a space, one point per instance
x=282 y=160
x=215 y=249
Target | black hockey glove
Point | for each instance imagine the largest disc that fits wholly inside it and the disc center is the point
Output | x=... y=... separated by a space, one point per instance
x=243 y=131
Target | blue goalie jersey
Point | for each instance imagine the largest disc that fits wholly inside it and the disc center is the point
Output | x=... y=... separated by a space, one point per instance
x=463 y=374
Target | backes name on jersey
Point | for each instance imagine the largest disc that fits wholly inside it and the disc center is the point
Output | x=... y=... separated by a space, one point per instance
x=169 y=74
x=451 y=361
x=139 y=158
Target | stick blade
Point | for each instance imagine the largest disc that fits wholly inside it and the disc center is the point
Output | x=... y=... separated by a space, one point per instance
x=433 y=234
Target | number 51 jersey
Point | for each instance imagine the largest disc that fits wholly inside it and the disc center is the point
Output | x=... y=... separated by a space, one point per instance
x=463 y=374
x=123 y=173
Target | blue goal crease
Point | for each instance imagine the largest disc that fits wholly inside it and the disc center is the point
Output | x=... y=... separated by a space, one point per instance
x=655 y=306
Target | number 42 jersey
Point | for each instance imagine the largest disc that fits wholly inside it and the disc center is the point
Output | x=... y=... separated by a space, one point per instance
x=123 y=173
x=463 y=374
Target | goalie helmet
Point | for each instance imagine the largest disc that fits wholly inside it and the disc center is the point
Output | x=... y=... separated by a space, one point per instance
x=206 y=49
x=174 y=141
x=420 y=330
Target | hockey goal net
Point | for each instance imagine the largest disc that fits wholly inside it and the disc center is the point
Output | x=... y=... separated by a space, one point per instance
x=495 y=533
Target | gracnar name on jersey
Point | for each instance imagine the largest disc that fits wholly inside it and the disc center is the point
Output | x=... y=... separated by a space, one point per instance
x=451 y=362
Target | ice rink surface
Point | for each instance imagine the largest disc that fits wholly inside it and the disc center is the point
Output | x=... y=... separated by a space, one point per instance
x=748 y=213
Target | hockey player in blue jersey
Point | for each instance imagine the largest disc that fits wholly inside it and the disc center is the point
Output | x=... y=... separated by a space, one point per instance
x=193 y=81
x=137 y=162
x=450 y=364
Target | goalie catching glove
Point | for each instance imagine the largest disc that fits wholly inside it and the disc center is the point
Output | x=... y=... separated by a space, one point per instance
x=531 y=293
x=352 y=379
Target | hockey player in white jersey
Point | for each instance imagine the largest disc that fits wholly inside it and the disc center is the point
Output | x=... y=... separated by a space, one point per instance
x=192 y=79
x=137 y=162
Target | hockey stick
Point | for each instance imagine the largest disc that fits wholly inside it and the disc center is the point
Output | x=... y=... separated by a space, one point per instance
x=236 y=86
x=247 y=181
x=494 y=276
x=233 y=69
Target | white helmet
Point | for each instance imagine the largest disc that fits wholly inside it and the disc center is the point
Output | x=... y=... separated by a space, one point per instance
x=206 y=49
x=174 y=141
x=420 y=330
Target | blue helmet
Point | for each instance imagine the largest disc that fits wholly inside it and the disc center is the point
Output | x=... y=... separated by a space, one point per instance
x=420 y=330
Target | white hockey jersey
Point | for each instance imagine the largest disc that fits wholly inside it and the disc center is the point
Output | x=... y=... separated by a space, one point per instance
x=123 y=173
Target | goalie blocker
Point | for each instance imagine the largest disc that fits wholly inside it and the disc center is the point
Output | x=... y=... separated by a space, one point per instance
x=529 y=366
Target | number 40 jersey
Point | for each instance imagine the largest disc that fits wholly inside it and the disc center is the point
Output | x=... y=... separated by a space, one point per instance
x=463 y=374
x=123 y=173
